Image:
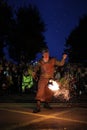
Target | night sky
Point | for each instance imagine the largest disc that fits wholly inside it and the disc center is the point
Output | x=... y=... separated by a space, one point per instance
x=60 y=16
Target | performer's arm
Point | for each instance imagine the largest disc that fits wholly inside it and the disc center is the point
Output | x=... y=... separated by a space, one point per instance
x=62 y=62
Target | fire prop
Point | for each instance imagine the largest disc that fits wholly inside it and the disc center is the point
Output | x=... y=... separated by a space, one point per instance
x=54 y=86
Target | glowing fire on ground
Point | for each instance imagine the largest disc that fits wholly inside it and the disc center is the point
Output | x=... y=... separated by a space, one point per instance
x=55 y=87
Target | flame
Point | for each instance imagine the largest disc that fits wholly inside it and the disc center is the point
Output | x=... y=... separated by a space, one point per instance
x=55 y=87
x=64 y=92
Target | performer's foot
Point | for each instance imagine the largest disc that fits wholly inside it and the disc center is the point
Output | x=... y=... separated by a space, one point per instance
x=36 y=110
x=47 y=106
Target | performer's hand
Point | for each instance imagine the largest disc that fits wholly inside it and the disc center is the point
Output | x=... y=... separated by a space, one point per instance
x=35 y=77
x=33 y=74
x=64 y=56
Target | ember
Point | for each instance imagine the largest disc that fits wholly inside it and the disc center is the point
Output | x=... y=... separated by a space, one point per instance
x=55 y=87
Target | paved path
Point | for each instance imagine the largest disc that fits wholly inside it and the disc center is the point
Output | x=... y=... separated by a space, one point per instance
x=16 y=114
x=19 y=116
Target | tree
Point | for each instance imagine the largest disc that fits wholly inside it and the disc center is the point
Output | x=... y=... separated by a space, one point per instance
x=76 y=43
x=5 y=23
x=27 y=37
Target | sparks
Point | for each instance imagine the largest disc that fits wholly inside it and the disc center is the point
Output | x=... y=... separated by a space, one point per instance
x=55 y=87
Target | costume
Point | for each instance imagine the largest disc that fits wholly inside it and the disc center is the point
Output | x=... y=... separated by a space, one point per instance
x=46 y=67
x=46 y=73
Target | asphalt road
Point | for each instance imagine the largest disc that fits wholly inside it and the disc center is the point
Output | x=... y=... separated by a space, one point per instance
x=18 y=115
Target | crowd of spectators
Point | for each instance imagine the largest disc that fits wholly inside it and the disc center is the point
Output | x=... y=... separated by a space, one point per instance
x=11 y=77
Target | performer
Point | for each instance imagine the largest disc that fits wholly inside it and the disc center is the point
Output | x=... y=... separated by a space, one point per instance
x=46 y=67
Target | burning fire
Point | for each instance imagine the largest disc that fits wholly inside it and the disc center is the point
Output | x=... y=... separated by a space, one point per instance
x=55 y=87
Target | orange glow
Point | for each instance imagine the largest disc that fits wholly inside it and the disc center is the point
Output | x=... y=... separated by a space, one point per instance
x=53 y=85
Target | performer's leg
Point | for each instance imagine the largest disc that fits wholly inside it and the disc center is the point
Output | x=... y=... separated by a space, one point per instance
x=46 y=105
x=37 y=109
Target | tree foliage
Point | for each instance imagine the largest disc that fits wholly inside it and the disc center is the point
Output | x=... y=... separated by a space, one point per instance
x=6 y=19
x=27 y=36
x=23 y=31
x=76 y=43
